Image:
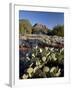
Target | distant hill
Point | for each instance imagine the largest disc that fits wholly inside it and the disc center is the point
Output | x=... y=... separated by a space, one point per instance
x=25 y=26
x=39 y=29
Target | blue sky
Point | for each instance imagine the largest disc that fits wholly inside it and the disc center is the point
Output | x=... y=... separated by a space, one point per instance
x=50 y=19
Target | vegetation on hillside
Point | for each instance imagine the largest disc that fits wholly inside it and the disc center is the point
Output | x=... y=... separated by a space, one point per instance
x=25 y=27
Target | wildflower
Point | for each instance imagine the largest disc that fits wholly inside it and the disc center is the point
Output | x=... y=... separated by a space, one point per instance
x=46 y=69
x=44 y=59
x=36 y=47
x=53 y=69
x=51 y=49
x=53 y=57
x=37 y=62
x=58 y=73
x=28 y=58
x=48 y=54
x=25 y=76
x=61 y=50
x=46 y=48
x=35 y=69
x=33 y=55
x=31 y=64
x=27 y=54
x=30 y=71
x=40 y=50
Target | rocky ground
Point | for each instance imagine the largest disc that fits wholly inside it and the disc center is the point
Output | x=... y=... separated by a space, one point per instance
x=32 y=40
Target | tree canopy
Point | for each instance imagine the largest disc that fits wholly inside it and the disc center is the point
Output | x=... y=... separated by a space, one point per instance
x=57 y=30
x=25 y=27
